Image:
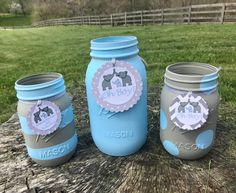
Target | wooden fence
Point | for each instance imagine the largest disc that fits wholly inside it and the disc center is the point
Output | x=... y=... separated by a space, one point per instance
x=206 y=13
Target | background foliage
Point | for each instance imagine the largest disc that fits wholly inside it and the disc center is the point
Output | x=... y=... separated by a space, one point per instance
x=47 y=9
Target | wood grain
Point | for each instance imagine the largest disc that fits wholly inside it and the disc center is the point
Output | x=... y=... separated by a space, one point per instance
x=149 y=170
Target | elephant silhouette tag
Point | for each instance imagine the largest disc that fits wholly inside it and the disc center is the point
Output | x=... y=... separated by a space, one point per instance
x=44 y=118
x=188 y=111
x=117 y=86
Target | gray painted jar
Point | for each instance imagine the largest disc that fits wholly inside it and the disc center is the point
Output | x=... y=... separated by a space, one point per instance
x=46 y=117
x=189 y=109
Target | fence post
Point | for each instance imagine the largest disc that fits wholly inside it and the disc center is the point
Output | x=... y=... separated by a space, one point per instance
x=162 y=16
x=111 y=20
x=99 y=20
x=189 y=14
x=222 y=14
x=125 y=19
x=141 y=17
x=89 y=20
x=153 y=18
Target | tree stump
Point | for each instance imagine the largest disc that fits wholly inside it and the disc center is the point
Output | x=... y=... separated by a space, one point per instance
x=151 y=169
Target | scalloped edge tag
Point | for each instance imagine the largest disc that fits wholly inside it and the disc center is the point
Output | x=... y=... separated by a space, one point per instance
x=44 y=117
x=117 y=86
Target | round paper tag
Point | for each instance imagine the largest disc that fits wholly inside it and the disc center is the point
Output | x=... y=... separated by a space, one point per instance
x=188 y=111
x=44 y=117
x=117 y=86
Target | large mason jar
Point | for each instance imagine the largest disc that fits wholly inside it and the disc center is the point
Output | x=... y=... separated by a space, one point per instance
x=189 y=109
x=46 y=118
x=117 y=95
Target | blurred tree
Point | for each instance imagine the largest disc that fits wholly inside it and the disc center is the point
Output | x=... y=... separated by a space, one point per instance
x=26 y=6
x=5 y=6
x=46 y=9
x=15 y=8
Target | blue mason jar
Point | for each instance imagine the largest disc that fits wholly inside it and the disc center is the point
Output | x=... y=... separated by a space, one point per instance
x=46 y=118
x=117 y=95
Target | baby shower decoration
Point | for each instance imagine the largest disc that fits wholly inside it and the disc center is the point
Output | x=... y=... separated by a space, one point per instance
x=117 y=95
x=189 y=109
x=46 y=118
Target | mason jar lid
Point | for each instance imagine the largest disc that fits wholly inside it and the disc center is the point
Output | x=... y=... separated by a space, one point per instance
x=191 y=76
x=39 y=86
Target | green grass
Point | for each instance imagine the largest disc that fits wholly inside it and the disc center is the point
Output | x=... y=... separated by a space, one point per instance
x=66 y=50
x=14 y=20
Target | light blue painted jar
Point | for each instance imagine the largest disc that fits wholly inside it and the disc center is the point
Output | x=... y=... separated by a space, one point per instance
x=58 y=146
x=117 y=133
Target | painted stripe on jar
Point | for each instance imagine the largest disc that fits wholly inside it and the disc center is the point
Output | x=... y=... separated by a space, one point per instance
x=67 y=118
x=61 y=101
x=54 y=152
x=57 y=137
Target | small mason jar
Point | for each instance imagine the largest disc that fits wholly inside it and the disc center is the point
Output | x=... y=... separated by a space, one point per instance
x=189 y=109
x=46 y=118
x=117 y=95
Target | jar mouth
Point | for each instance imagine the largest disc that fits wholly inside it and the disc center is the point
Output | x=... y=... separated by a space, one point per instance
x=191 y=69
x=39 y=86
x=112 y=42
x=192 y=76
x=38 y=79
x=114 y=47
x=114 y=39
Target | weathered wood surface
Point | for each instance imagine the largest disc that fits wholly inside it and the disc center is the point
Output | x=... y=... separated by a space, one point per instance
x=149 y=170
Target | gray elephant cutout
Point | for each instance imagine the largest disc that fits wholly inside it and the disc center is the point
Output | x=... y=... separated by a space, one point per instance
x=196 y=107
x=48 y=111
x=126 y=79
x=37 y=117
x=181 y=107
x=106 y=83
